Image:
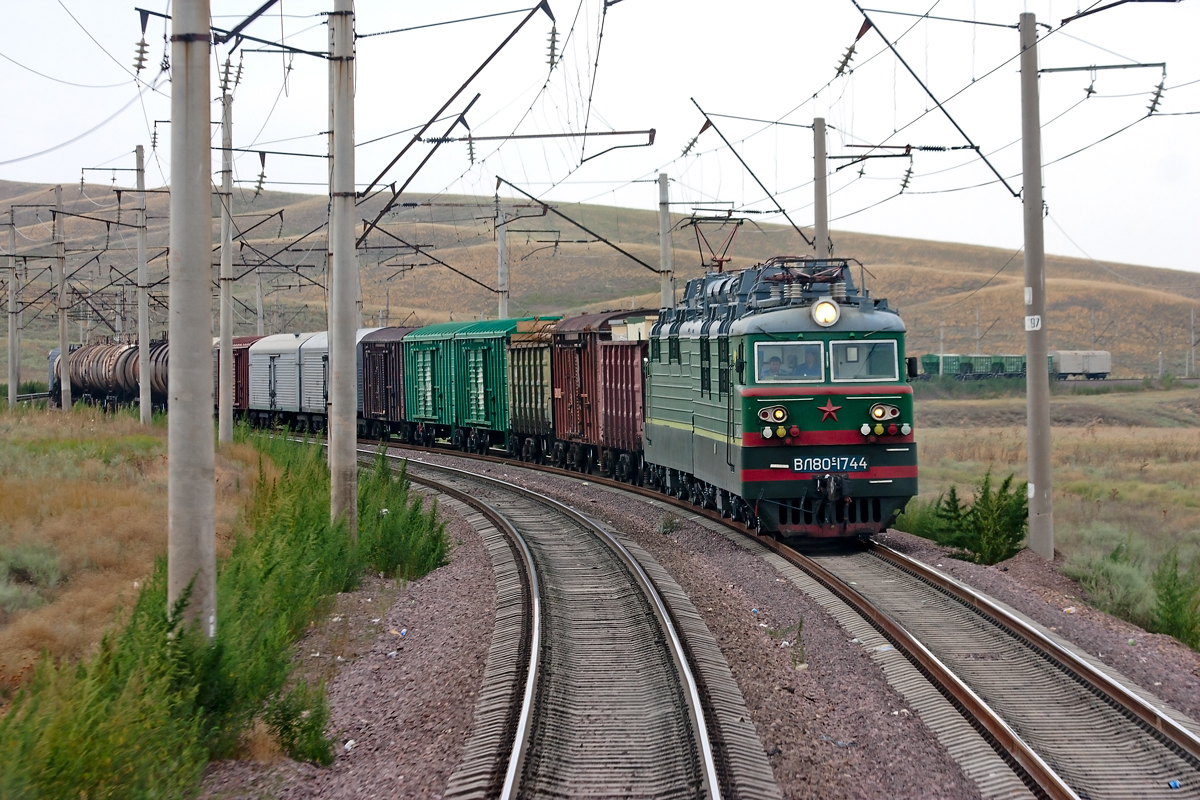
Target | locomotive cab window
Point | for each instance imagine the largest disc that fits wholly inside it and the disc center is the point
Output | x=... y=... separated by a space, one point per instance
x=864 y=360
x=789 y=362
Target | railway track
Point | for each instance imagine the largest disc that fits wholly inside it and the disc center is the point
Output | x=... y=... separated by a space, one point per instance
x=1066 y=725
x=589 y=689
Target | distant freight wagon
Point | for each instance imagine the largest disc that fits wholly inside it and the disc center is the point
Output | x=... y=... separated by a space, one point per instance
x=1064 y=364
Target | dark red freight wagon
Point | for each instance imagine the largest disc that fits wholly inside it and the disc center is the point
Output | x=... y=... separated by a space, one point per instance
x=577 y=388
x=621 y=419
x=241 y=372
x=383 y=383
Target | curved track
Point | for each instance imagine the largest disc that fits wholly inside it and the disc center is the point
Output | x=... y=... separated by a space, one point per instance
x=1069 y=728
x=609 y=705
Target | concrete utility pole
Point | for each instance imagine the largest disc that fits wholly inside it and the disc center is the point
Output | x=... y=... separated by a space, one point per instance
x=665 y=271
x=1037 y=378
x=60 y=270
x=343 y=383
x=225 y=360
x=191 y=539
x=14 y=304
x=259 y=309
x=502 y=261
x=820 y=189
x=143 y=282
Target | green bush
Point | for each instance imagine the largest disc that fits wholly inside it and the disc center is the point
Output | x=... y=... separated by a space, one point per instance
x=396 y=535
x=990 y=529
x=142 y=716
x=1177 y=600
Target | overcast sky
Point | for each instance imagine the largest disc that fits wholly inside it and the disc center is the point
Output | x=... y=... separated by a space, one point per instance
x=1133 y=198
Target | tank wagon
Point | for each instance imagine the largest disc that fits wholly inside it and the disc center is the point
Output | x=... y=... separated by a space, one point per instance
x=776 y=396
x=108 y=373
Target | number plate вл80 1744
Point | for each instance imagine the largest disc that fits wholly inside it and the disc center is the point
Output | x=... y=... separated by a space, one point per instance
x=830 y=464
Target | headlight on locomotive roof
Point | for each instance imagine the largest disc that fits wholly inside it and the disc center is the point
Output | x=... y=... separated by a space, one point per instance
x=826 y=312
x=882 y=411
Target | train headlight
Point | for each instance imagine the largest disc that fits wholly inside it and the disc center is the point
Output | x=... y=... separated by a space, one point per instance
x=774 y=414
x=825 y=313
x=881 y=411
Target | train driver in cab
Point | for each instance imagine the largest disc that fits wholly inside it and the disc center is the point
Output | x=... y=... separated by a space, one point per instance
x=773 y=370
x=811 y=368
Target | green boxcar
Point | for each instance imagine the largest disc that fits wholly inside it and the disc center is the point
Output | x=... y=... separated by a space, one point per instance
x=1014 y=364
x=976 y=365
x=931 y=364
x=430 y=366
x=481 y=391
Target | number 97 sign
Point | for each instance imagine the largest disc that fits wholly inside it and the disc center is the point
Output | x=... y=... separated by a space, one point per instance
x=1033 y=322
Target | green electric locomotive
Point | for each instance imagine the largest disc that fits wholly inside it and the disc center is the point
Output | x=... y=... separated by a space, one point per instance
x=779 y=395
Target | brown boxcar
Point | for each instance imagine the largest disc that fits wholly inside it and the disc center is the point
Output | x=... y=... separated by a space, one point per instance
x=530 y=398
x=621 y=419
x=383 y=382
x=241 y=372
x=578 y=387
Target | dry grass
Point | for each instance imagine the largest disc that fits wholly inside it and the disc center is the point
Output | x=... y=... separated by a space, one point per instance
x=1130 y=482
x=93 y=489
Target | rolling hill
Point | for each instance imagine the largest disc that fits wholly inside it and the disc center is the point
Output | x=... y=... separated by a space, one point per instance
x=557 y=268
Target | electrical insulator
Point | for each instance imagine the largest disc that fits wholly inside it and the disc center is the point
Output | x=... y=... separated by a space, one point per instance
x=471 y=149
x=225 y=78
x=139 y=55
x=690 y=145
x=1154 y=101
x=154 y=138
x=846 y=59
x=907 y=177
x=237 y=79
x=258 y=187
x=553 y=46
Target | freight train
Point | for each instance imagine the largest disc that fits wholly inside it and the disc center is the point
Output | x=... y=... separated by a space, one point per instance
x=1092 y=365
x=777 y=395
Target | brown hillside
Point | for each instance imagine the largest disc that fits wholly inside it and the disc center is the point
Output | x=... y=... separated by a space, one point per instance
x=1118 y=307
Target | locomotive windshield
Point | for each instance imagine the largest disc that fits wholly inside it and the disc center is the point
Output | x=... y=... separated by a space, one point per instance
x=789 y=362
x=864 y=361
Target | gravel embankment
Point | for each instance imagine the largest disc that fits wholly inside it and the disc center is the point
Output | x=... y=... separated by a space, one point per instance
x=406 y=702
x=834 y=729
x=1037 y=588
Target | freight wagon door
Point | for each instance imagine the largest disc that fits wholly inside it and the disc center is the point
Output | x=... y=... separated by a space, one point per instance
x=476 y=380
x=568 y=404
x=376 y=373
x=272 y=379
x=425 y=385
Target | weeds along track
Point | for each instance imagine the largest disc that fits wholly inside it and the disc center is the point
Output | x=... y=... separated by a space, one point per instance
x=607 y=701
x=1063 y=725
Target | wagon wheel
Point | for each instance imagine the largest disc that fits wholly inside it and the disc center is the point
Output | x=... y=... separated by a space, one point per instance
x=625 y=468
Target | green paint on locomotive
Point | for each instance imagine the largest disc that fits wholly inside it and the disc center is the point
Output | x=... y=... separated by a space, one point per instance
x=746 y=346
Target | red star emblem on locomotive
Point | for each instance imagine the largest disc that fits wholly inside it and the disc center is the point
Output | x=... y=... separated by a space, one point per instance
x=829 y=410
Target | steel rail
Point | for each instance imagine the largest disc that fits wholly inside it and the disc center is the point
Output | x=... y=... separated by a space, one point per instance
x=678 y=654
x=1127 y=700
x=958 y=692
